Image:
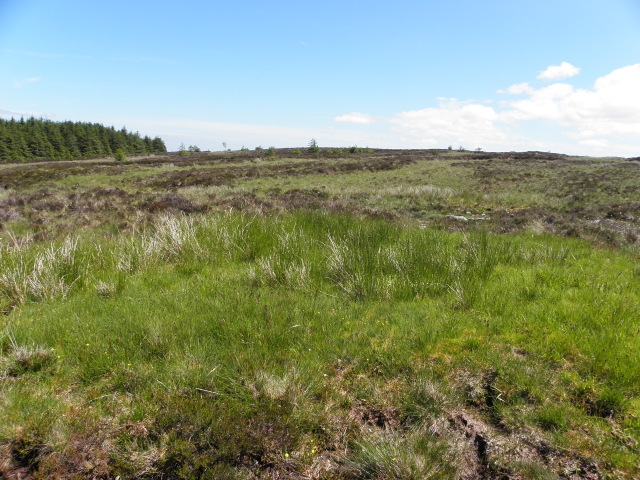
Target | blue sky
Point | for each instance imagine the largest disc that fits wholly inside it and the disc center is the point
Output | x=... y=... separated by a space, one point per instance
x=561 y=75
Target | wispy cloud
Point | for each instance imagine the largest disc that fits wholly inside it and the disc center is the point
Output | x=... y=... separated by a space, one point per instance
x=13 y=114
x=72 y=56
x=355 y=117
x=558 y=72
x=48 y=55
x=23 y=82
x=10 y=113
x=210 y=135
x=142 y=59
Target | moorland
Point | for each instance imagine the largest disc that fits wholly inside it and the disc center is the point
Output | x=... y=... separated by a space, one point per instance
x=327 y=314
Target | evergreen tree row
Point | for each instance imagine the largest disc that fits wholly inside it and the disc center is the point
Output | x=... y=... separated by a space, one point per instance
x=34 y=139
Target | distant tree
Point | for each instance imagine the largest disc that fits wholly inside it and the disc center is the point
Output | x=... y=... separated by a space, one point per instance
x=5 y=149
x=135 y=143
x=88 y=142
x=148 y=144
x=158 y=145
x=71 y=142
x=38 y=143
x=313 y=146
x=120 y=156
x=194 y=148
x=54 y=134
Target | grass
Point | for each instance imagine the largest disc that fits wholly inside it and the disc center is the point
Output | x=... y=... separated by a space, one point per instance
x=355 y=339
x=312 y=334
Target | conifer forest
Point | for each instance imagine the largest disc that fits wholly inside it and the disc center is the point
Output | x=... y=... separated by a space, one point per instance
x=37 y=139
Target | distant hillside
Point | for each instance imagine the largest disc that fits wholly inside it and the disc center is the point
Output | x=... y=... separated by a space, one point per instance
x=34 y=139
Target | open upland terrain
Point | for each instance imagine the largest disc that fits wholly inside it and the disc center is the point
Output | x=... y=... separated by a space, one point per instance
x=333 y=314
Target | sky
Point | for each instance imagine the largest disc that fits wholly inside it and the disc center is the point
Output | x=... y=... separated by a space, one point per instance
x=497 y=75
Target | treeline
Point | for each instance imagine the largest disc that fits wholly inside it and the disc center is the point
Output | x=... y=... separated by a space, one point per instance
x=34 y=139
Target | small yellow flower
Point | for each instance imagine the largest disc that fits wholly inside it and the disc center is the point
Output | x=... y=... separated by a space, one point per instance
x=313 y=450
x=86 y=344
x=286 y=455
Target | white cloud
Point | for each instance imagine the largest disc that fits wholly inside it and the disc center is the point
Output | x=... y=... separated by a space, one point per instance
x=25 y=81
x=596 y=143
x=602 y=120
x=518 y=89
x=468 y=124
x=611 y=108
x=354 y=117
x=558 y=72
x=542 y=103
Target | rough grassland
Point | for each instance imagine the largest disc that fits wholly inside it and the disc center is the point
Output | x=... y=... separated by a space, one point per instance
x=595 y=199
x=383 y=315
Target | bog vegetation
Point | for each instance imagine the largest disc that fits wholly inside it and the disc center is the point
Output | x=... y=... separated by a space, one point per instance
x=322 y=315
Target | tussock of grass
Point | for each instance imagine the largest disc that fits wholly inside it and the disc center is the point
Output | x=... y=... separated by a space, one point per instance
x=46 y=275
x=318 y=345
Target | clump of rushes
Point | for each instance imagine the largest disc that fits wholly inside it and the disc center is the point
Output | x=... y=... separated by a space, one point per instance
x=49 y=274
